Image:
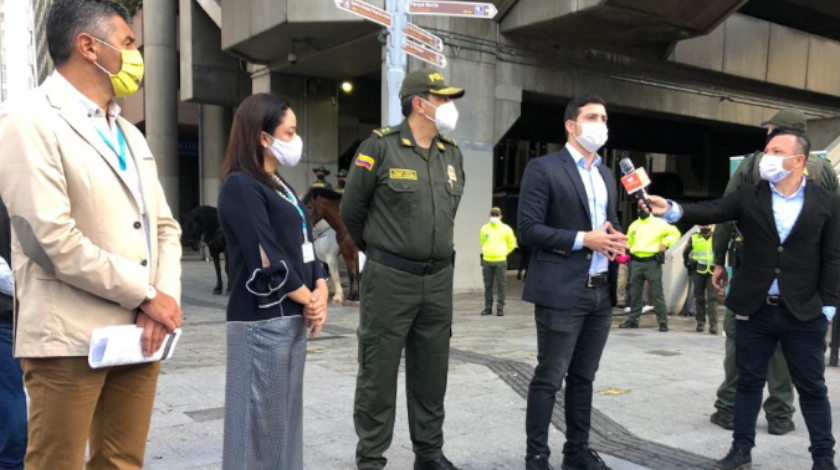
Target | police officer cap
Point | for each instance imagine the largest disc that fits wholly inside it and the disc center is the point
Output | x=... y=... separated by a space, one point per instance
x=428 y=81
x=788 y=117
x=321 y=169
x=342 y=173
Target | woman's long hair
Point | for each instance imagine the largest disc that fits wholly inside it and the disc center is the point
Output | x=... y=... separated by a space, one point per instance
x=259 y=113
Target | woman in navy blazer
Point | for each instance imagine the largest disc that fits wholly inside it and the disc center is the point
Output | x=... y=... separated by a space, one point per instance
x=278 y=290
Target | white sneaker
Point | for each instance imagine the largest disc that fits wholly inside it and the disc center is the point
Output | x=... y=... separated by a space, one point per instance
x=627 y=309
x=647 y=308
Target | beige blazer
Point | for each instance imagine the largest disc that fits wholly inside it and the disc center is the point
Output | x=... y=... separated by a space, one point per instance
x=79 y=251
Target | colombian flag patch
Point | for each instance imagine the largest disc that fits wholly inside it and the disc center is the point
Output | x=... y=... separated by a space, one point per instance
x=365 y=162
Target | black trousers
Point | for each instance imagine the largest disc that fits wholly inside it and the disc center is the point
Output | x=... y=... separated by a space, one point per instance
x=803 y=345
x=570 y=343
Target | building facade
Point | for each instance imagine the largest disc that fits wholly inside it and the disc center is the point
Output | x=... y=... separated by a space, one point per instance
x=18 y=63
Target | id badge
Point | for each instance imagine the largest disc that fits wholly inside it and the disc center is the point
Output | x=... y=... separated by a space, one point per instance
x=308 y=252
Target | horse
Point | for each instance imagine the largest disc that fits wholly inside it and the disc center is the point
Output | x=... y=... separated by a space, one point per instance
x=201 y=227
x=327 y=250
x=323 y=204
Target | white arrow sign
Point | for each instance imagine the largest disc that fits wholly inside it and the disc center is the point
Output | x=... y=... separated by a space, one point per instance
x=461 y=9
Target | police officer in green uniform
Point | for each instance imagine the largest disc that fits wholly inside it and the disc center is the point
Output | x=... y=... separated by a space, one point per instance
x=399 y=207
x=779 y=405
x=341 y=179
x=321 y=174
x=698 y=258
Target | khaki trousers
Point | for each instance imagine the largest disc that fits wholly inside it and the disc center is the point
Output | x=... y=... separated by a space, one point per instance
x=70 y=403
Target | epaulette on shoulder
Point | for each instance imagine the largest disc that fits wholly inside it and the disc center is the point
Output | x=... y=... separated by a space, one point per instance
x=449 y=140
x=382 y=132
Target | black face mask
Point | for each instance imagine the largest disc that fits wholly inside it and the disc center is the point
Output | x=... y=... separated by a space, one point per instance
x=706 y=231
x=644 y=215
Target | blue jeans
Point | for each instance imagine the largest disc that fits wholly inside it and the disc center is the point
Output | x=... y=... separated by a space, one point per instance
x=12 y=403
x=803 y=345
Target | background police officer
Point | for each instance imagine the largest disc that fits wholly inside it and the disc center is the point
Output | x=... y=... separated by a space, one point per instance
x=341 y=179
x=649 y=237
x=320 y=182
x=779 y=404
x=497 y=242
x=698 y=258
x=399 y=207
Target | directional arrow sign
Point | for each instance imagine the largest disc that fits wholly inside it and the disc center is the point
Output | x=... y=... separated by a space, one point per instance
x=462 y=9
x=366 y=11
x=424 y=37
x=425 y=54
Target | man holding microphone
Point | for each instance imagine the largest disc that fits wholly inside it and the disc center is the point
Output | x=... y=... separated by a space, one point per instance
x=789 y=294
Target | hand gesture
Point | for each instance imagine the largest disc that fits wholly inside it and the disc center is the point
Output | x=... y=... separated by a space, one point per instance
x=315 y=312
x=660 y=206
x=720 y=279
x=164 y=310
x=154 y=334
x=606 y=240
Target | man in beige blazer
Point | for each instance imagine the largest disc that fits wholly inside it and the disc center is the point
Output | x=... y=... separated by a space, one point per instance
x=94 y=243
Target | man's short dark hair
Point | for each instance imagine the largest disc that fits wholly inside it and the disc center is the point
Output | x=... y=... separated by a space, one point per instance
x=803 y=143
x=574 y=106
x=406 y=103
x=69 y=18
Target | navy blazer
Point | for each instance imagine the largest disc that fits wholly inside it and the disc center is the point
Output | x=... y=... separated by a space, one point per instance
x=253 y=215
x=553 y=208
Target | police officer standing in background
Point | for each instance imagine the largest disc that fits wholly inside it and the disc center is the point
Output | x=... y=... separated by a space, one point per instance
x=698 y=258
x=399 y=207
x=649 y=238
x=497 y=242
x=779 y=404
x=342 y=180
x=321 y=174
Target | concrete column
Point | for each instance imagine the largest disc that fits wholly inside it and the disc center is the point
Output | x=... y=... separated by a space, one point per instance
x=161 y=92
x=215 y=134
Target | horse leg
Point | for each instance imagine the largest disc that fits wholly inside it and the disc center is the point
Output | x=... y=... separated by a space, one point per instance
x=335 y=277
x=217 y=265
x=354 y=280
x=227 y=269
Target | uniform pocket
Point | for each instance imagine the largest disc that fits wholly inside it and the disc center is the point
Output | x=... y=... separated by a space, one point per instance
x=405 y=196
x=455 y=190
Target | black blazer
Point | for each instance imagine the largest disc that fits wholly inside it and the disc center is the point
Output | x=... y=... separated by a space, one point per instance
x=253 y=215
x=553 y=208
x=807 y=264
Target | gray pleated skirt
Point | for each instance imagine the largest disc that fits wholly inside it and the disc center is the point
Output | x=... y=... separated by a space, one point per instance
x=264 y=395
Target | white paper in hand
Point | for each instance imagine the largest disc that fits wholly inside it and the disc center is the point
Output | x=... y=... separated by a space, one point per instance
x=121 y=345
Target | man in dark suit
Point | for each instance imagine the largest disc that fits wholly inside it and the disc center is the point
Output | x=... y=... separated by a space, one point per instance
x=567 y=214
x=787 y=292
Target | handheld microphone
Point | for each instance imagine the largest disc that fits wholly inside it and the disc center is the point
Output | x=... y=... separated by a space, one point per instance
x=635 y=181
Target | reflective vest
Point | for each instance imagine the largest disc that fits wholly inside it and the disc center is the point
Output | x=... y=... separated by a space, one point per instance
x=702 y=252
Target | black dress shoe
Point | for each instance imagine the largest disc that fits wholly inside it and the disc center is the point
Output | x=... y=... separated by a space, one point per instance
x=701 y=328
x=824 y=463
x=713 y=329
x=628 y=324
x=487 y=311
x=663 y=327
x=584 y=459
x=537 y=462
x=724 y=421
x=500 y=312
x=440 y=463
x=780 y=427
x=736 y=459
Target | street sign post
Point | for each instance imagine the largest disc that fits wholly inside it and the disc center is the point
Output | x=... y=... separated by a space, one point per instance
x=425 y=54
x=366 y=11
x=408 y=39
x=462 y=9
x=424 y=37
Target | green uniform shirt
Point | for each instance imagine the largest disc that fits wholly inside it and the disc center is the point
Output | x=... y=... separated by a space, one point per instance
x=402 y=199
x=318 y=184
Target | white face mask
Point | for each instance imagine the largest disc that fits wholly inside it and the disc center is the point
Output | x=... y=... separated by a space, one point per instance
x=446 y=117
x=593 y=136
x=494 y=220
x=287 y=153
x=772 y=168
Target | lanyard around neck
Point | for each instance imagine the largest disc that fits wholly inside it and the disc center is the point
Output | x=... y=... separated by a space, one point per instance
x=287 y=194
x=121 y=140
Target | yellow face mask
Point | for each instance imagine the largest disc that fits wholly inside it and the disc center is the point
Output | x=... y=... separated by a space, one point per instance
x=126 y=82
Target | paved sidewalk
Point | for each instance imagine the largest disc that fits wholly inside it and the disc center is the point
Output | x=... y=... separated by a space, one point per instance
x=654 y=394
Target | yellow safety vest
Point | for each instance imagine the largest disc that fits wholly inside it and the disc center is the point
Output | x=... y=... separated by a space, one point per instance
x=702 y=252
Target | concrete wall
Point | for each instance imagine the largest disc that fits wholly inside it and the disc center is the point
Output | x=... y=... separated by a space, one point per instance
x=823 y=132
x=756 y=49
